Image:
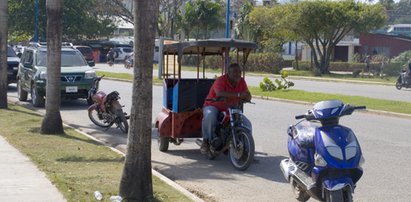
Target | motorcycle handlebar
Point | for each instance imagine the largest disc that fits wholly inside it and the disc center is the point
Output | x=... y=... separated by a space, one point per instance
x=221 y=99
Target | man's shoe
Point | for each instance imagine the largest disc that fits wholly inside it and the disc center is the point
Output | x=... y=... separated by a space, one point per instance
x=205 y=147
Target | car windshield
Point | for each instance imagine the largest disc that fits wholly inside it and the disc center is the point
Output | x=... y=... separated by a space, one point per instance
x=68 y=59
x=84 y=50
x=127 y=50
x=10 y=52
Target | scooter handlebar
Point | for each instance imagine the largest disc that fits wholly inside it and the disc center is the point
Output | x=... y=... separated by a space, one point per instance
x=300 y=116
x=360 y=107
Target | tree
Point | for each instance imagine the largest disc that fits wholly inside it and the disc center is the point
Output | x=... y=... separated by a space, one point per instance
x=136 y=180
x=323 y=24
x=268 y=23
x=400 y=13
x=245 y=30
x=81 y=20
x=199 y=17
x=3 y=53
x=52 y=122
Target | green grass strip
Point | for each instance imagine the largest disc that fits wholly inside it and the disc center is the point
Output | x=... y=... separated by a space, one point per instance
x=75 y=164
x=300 y=95
x=371 y=103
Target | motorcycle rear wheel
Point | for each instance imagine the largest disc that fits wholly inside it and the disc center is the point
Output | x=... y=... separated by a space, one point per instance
x=95 y=118
x=242 y=156
x=398 y=85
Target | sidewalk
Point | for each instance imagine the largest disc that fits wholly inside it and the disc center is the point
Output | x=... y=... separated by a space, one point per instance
x=21 y=180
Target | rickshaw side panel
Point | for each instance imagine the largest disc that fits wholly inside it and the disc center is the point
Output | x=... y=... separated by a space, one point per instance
x=187 y=124
x=163 y=122
x=180 y=125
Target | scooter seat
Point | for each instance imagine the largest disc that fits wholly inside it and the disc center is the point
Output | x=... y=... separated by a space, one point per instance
x=305 y=135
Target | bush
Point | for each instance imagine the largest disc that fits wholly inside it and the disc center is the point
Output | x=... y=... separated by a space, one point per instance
x=268 y=85
x=303 y=65
x=256 y=62
x=392 y=69
x=403 y=57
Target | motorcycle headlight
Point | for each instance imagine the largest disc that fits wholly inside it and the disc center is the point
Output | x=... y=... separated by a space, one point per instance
x=90 y=74
x=319 y=160
x=43 y=75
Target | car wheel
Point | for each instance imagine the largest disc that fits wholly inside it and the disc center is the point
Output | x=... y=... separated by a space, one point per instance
x=22 y=94
x=36 y=99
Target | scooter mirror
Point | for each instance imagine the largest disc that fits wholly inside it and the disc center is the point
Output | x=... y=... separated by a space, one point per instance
x=290 y=131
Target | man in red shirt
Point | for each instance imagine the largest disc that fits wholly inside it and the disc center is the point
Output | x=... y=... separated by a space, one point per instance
x=232 y=88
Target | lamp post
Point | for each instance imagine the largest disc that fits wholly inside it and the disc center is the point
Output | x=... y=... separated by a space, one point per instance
x=36 y=29
x=227 y=20
x=227 y=33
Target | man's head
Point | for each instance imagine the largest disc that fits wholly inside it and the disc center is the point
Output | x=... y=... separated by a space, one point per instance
x=234 y=72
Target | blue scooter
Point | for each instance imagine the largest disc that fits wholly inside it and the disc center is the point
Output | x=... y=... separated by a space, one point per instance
x=325 y=157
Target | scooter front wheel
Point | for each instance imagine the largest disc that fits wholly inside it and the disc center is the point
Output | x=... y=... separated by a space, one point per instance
x=344 y=195
x=242 y=154
x=299 y=193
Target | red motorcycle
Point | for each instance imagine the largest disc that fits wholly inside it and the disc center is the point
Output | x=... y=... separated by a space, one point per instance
x=106 y=110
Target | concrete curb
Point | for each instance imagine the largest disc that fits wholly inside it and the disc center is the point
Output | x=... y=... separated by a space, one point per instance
x=154 y=172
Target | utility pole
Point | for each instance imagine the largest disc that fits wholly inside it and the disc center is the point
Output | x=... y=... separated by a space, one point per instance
x=36 y=31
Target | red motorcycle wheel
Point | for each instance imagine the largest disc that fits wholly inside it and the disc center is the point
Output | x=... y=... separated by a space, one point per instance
x=98 y=119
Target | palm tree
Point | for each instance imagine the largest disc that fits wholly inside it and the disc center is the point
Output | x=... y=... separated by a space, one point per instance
x=52 y=123
x=136 y=183
x=3 y=53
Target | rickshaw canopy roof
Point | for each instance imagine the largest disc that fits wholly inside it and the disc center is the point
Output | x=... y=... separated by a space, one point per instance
x=208 y=47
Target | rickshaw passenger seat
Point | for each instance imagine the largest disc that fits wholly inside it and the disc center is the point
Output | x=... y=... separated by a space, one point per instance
x=168 y=93
x=189 y=94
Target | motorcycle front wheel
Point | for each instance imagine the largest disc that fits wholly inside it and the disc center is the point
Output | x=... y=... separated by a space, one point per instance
x=122 y=121
x=98 y=119
x=398 y=85
x=242 y=154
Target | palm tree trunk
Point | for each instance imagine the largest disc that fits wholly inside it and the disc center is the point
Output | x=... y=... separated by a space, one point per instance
x=136 y=182
x=52 y=123
x=3 y=53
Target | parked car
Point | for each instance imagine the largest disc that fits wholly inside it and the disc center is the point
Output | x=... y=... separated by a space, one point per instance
x=12 y=65
x=76 y=75
x=120 y=53
x=87 y=53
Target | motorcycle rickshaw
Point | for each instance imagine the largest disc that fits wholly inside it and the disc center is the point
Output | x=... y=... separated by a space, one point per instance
x=183 y=98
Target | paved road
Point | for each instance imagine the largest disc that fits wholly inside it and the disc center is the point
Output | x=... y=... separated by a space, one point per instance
x=385 y=143
x=357 y=89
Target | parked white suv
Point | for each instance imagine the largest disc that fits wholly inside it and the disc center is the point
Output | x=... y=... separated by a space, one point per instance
x=120 y=53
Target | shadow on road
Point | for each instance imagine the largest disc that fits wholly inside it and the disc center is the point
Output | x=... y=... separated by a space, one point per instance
x=195 y=166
